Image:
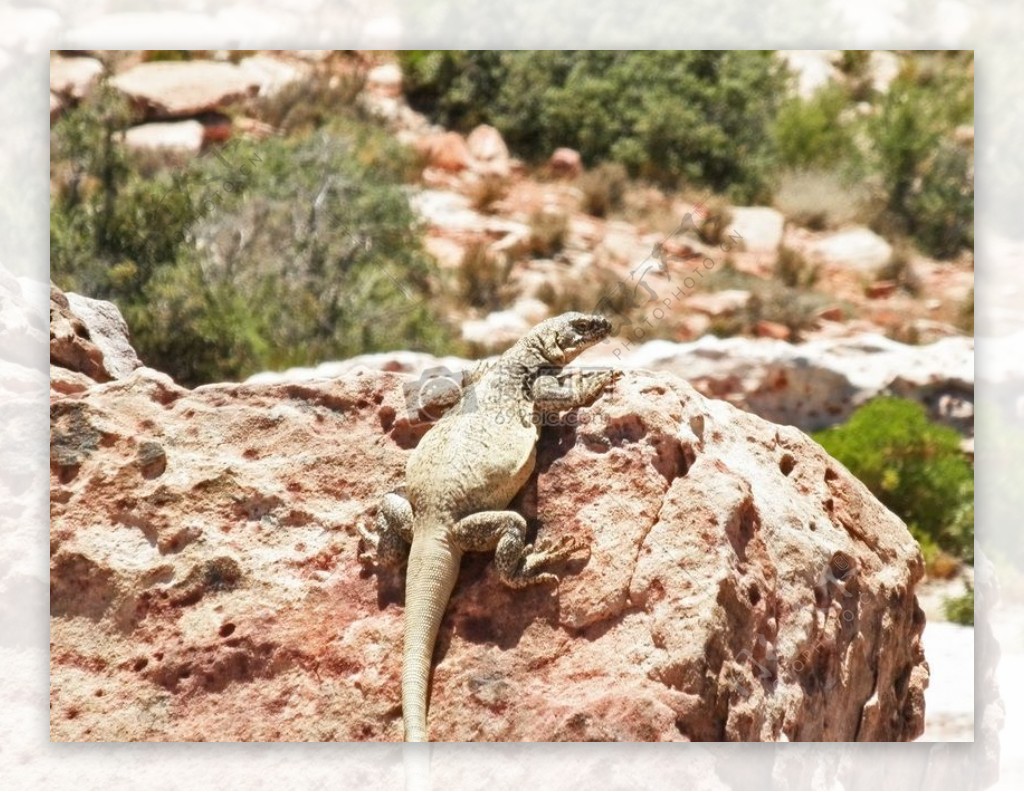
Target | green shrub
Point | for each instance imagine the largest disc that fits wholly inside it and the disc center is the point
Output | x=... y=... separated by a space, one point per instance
x=927 y=178
x=812 y=133
x=913 y=466
x=960 y=610
x=701 y=116
x=253 y=256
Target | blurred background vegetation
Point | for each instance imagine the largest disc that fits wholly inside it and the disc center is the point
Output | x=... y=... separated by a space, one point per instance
x=302 y=247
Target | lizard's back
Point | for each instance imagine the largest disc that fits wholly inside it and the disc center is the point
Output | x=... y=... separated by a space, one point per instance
x=472 y=460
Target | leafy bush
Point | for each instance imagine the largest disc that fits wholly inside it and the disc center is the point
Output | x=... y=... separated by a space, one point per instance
x=960 y=610
x=927 y=178
x=256 y=256
x=812 y=133
x=702 y=116
x=913 y=466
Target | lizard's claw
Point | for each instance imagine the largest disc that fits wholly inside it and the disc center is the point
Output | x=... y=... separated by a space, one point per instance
x=373 y=540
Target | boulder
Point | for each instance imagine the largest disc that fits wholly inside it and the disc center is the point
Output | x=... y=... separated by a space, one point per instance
x=205 y=581
x=565 y=163
x=88 y=337
x=74 y=77
x=185 y=88
x=109 y=331
x=445 y=150
x=272 y=74
x=855 y=248
x=185 y=137
x=488 y=150
x=385 y=80
x=759 y=227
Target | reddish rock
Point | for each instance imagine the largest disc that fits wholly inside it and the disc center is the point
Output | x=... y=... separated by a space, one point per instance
x=185 y=88
x=445 y=150
x=832 y=313
x=880 y=289
x=766 y=329
x=566 y=163
x=741 y=585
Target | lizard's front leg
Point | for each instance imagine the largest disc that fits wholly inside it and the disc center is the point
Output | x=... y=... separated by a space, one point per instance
x=505 y=533
x=580 y=389
x=393 y=535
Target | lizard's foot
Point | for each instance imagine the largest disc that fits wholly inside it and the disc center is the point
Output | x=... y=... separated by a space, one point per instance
x=371 y=539
x=545 y=551
x=390 y=542
x=505 y=532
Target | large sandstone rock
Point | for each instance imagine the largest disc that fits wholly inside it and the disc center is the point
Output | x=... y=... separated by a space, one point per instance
x=205 y=585
x=186 y=88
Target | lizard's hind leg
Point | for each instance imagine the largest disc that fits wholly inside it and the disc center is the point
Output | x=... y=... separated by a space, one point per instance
x=505 y=533
x=393 y=535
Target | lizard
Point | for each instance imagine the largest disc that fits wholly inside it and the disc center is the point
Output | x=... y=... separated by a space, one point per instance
x=461 y=478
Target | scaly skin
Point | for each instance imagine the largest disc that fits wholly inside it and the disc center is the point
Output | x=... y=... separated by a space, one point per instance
x=461 y=478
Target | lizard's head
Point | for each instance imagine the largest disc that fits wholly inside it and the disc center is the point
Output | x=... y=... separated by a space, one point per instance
x=564 y=337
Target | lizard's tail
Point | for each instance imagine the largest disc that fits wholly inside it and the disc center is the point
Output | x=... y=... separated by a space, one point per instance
x=433 y=569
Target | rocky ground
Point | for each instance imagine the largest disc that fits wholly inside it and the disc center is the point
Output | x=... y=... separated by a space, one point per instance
x=205 y=582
